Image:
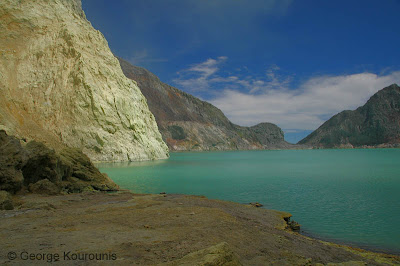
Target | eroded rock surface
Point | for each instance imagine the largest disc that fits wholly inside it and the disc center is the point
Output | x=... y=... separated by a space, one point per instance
x=60 y=83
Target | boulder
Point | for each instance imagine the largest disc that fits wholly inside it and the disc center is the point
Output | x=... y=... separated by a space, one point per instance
x=256 y=204
x=46 y=171
x=6 y=202
x=10 y=179
x=294 y=226
x=43 y=163
x=12 y=158
x=82 y=175
x=44 y=186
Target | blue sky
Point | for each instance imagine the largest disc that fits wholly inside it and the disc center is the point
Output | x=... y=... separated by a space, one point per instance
x=292 y=63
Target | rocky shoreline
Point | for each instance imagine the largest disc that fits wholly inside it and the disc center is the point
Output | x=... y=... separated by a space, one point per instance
x=56 y=201
x=146 y=229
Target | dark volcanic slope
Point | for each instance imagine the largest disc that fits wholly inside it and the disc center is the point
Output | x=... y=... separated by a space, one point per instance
x=187 y=123
x=377 y=122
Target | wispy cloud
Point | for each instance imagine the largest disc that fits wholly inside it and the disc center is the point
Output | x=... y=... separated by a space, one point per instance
x=270 y=98
x=200 y=77
x=308 y=106
x=206 y=75
x=142 y=57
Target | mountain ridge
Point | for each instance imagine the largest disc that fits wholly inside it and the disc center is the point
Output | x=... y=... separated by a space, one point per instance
x=188 y=123
x=375 y=123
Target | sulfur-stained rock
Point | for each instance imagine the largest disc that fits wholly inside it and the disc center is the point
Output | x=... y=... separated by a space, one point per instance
x=60 y=83
x=6 y=202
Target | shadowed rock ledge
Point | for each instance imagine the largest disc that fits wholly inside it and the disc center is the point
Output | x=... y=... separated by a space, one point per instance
x=33 y=166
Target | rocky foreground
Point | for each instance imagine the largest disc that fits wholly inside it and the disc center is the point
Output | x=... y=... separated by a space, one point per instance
x=124 y=229
x=36 y=168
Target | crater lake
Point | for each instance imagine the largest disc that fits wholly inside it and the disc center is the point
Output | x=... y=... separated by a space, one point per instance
x=348 y=196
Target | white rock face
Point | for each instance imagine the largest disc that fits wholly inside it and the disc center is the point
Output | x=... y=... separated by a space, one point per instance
x=59 y=81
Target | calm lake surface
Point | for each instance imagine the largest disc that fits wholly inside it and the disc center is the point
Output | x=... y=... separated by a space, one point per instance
x=345 y=196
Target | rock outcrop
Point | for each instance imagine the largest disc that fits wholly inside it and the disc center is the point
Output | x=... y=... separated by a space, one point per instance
x=187 y=123
x=42 y=170
x=60 y=83
x=377 y=123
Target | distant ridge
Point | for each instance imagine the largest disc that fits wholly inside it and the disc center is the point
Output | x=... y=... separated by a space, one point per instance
x=187 y=123
x=375 y=123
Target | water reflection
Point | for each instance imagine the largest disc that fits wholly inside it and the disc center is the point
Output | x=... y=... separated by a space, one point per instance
x=131 y=164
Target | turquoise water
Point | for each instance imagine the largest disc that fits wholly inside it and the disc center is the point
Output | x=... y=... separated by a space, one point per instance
x=346 y=196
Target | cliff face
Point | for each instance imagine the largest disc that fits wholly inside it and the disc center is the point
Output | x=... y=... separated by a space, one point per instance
x=375 y=123
x=60 y=83
x=187 y=123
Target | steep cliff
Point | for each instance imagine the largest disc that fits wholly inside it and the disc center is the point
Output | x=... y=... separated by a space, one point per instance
x=375 y=123
x=60 y=83
x=187 y=123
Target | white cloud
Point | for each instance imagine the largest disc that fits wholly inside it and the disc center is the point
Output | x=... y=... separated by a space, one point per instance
x=205 y=75
x=251 y=100
x=200 y=76
x=306 y=107
x=208 y=67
